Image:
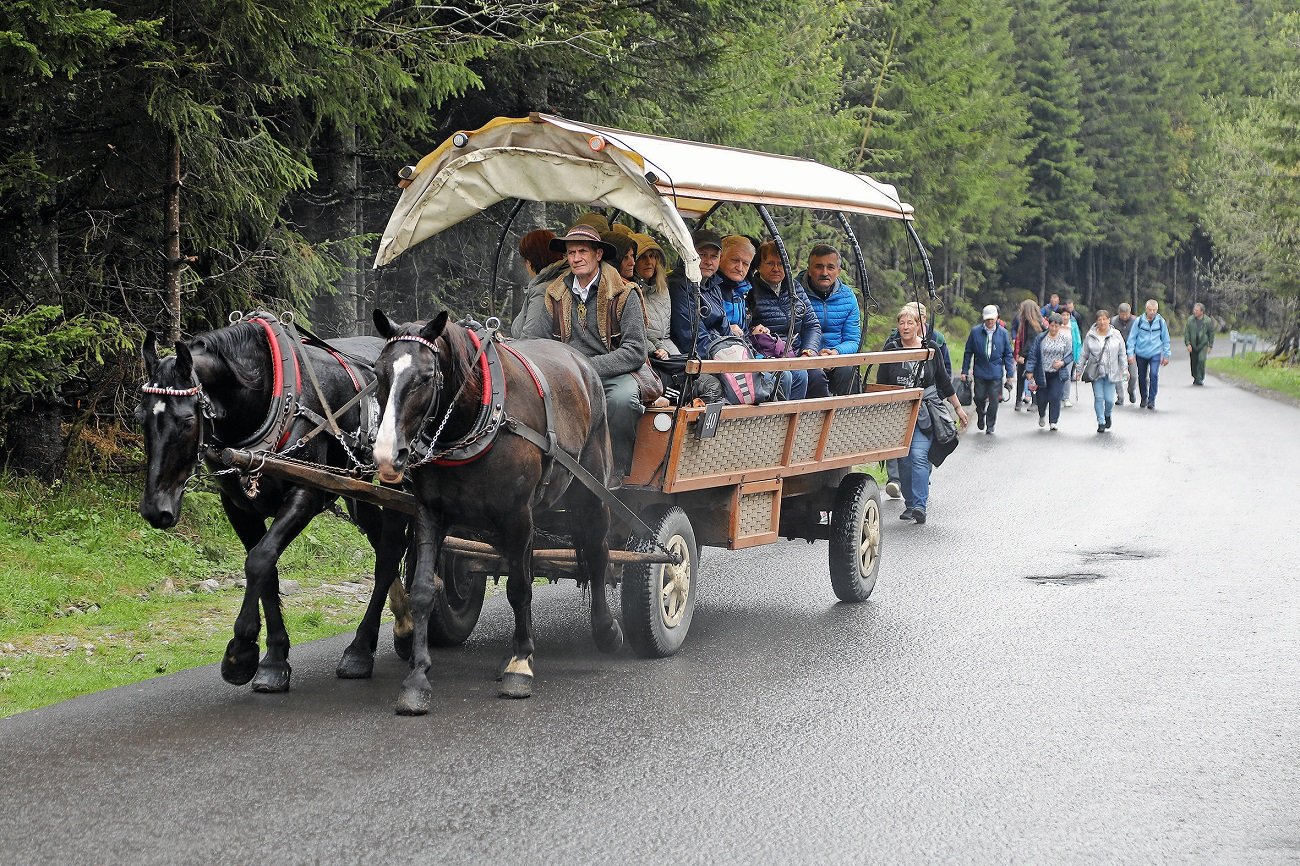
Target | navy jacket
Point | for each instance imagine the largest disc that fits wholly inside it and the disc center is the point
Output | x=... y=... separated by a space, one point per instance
x=713 y=318
x=1001 y=364
x=773 y=312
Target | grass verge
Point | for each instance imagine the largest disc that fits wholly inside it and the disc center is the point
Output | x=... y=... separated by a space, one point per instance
x=1273 y=377
x=92 y=597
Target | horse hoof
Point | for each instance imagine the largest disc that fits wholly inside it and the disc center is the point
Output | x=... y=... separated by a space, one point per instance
x=610 y=640
x=517 y=678
x=516 y=686
x=501 y=668
x=414 y=702
x=239 y=664
x=402 y=644
x=355 y=665
x=272 y=678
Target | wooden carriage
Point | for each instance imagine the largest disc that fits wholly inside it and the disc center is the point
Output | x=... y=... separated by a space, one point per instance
x=747 y=475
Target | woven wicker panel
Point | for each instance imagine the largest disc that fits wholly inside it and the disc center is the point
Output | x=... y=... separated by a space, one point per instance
x=740 y=444
x=863 y=429
x=807 y=436
x=756 y=513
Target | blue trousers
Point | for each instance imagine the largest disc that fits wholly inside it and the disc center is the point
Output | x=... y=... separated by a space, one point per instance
x=1103 y=398
x=1148 y=368
x=914 y=471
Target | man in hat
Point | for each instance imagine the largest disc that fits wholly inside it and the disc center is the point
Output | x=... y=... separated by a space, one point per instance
x=988 y=351
x=684 y=330
x=597 y=312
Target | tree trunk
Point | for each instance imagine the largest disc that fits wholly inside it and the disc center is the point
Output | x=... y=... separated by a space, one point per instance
x=1042 y=273
x=33 y=442
x=171 y=286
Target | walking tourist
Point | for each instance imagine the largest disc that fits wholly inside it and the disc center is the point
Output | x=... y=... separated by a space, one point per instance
x=1105 y=362
x=1199 y=339
x=1048 y=367
x=988 y=353
x=1123 y=323
x=1148 y=346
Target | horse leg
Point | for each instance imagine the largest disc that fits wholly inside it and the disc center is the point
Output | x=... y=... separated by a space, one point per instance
x=388 y=539
x=517 y=674
x=593 y=555
x=416 y=695
x=301 y=505
x=399 y=600
x=239 y=662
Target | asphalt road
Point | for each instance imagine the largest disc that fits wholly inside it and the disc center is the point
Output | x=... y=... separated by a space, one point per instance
x=1089 y=654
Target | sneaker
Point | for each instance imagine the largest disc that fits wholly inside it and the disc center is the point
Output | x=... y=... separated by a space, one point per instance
x=1068 y=404
x=1101 y=428
x=1053 y=428
x=893 y=491
x=906 y=515
x=918 y=514
x=1107 y=422
x=980 y=423
x=1042 y=422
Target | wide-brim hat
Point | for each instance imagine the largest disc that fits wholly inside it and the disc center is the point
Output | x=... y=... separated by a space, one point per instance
x=582 y=233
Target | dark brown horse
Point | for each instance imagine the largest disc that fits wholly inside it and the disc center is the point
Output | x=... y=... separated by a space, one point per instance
x=446 y=424
x=237 y=386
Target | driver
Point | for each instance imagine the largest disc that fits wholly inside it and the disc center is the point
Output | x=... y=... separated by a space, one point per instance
x=597 y=312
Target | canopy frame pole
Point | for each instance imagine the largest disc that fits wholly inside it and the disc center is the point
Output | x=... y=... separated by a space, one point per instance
x=860 y=270
x=787 y=281
x=699 y=223
x=501 y=242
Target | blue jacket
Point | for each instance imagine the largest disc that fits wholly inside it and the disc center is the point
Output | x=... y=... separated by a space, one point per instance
x=839 y=316
x=734 y=297
x=1000 y=364
x=713 y=318
x=1149 y=339
x=771 y=310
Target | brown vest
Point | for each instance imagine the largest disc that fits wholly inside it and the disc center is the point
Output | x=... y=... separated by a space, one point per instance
x=612 y=293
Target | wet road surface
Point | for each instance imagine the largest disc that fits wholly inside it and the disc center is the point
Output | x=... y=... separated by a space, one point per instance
x=1091 y=653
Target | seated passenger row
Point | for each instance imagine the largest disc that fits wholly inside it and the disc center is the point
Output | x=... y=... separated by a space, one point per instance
x=605 y=291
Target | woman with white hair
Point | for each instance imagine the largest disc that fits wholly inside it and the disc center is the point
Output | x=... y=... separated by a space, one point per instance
x=914 y=468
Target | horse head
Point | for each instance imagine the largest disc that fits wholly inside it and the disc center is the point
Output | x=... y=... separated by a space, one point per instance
x=410 y=382
x=173 y=412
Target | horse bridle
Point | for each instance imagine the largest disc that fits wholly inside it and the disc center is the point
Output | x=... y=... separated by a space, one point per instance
x=431 y=411
x=206 y=411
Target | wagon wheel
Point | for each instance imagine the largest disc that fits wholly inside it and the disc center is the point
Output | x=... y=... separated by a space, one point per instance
x=454 y=616
x=855 y=537
x=658 y=598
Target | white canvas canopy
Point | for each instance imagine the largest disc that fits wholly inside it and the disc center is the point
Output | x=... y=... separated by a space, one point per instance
x=655 y=180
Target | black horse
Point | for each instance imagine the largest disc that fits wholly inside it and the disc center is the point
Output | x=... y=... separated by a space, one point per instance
x=239 y=386
x=477 y=473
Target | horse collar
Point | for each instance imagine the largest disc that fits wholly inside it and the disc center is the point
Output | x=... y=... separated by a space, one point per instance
x=491 y=414
x=286 y=384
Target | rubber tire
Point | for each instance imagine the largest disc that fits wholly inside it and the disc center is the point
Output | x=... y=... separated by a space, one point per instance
x=857 y=500
x=643 y=614
x=454 y=616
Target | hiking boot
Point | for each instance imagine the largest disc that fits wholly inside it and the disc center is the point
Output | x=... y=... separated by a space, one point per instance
x=1101 y=428
x=979 y=423
x=1151 y=406
x=1142 y=405
x=907 y=515
x=918 y=514
x=893 y=491
x=988 y=432
x=1107 y=422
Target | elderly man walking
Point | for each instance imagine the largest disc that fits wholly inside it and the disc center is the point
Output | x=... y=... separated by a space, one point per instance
x=600 y=314
x=1148 y=346
x=988 y=350
x=1123 y=323
x=1199 y=339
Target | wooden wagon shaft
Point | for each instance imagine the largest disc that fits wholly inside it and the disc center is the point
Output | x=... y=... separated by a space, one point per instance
x=815 y=361
x=386 y=497
x=311 y=476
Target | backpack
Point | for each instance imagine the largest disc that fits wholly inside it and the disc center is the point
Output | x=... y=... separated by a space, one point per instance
x=747 y=388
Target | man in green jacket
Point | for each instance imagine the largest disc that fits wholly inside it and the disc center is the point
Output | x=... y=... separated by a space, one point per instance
x=1199 y=338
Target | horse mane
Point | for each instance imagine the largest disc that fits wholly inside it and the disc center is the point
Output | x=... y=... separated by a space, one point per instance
x=239 y=346
x=462 y=356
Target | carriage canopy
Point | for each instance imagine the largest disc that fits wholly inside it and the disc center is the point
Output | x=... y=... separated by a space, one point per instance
x=656 y=180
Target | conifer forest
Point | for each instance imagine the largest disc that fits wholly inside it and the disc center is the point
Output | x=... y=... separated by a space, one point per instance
x=164 y=163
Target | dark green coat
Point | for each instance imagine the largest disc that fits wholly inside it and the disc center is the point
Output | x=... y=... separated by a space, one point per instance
x=1199 y=333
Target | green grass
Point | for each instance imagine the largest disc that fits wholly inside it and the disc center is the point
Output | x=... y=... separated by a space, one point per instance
x=1283 y=380
x=91 y=597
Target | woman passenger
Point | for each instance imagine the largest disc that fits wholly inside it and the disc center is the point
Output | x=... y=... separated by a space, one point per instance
x=1026 y=327
x=654 y=293
x=914 y=468
x=769 y=304
x=625 y=252
x=542 y=265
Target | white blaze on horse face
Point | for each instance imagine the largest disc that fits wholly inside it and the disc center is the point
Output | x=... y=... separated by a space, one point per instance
x=159 y=408
x=386 y=442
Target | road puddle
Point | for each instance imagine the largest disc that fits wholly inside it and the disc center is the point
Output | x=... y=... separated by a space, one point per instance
x=1068 y=579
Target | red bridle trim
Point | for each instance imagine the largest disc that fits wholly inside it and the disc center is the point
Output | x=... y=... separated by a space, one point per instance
x=527 y=366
